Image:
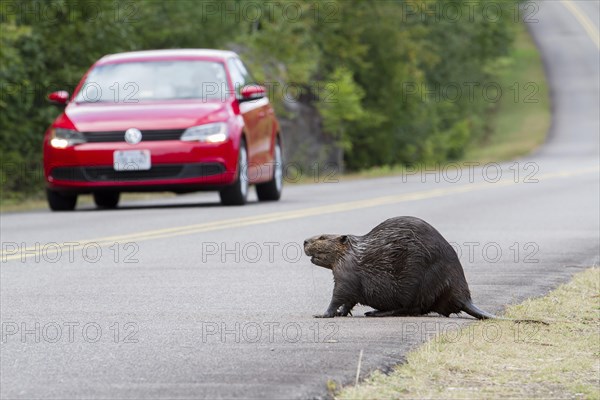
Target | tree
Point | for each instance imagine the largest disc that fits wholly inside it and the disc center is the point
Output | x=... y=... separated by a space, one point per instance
x=341 y=108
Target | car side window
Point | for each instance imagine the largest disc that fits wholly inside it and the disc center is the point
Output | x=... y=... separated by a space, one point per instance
x=239 y=74
x=237 y=77
x=248 y=79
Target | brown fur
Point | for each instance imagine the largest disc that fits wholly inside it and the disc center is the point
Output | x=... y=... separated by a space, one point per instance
x=401 y=267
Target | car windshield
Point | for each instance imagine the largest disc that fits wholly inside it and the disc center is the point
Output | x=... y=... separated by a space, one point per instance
x=133 y=82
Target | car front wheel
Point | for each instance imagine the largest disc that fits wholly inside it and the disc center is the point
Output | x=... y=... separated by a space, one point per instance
x=236 y=194
x=60 y=201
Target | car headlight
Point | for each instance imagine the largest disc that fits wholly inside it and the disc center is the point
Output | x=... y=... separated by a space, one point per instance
x=210 y=133
x=61 y=138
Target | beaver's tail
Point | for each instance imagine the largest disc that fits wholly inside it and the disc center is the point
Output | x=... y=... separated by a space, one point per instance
x=474 y=311
x=478 y=313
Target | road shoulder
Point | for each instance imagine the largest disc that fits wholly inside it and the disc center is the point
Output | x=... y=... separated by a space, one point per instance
x=503 y=359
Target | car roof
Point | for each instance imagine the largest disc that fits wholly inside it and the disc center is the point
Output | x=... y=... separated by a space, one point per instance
x=167 y=54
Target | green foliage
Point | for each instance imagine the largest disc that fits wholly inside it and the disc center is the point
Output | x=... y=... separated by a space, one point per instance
x=343 y=107
x=390 y=64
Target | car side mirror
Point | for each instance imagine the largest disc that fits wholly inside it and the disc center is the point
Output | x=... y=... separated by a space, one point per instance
x=252 y=92
x=59 y=98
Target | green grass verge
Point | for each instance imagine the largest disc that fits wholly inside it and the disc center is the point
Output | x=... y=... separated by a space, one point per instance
x=503 y=359
x=520 y=122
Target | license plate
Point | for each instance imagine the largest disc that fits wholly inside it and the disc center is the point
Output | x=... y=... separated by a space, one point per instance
x=131 y=160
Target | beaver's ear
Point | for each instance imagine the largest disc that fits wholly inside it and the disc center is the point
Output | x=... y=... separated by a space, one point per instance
x=343 y=239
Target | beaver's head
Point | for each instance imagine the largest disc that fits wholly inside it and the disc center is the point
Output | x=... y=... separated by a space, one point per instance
x=326 y=250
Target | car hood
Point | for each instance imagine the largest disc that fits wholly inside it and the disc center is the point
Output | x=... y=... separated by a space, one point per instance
x=99 y=117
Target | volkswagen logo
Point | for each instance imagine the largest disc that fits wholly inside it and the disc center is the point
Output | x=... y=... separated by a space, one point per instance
x=133 y=136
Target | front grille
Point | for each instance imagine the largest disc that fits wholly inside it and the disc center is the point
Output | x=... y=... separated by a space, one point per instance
x=119 y=136
x=108 y=174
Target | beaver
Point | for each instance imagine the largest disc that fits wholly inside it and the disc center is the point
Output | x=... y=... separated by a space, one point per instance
x=402 y=267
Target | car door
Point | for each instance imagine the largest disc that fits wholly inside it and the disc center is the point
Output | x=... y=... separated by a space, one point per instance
x=264 y=118
x=251 y=116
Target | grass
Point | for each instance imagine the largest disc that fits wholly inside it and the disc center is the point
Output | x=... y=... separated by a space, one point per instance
x=521 y=121
x=559 y=360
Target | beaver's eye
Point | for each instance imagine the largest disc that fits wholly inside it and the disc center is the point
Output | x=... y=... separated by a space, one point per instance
x=322 y=237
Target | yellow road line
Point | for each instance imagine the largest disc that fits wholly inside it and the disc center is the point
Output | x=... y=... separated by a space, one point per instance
x=585 y=22
x=277 y=216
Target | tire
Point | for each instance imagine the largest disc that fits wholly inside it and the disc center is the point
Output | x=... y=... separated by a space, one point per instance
x=237 y=193
x=106 y=199
x=60 y=201
x=271 y=191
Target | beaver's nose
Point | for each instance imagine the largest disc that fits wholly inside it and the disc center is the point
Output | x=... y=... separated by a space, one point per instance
x=305 y=243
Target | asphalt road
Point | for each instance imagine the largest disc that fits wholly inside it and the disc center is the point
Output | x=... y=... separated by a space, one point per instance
x=188 y=299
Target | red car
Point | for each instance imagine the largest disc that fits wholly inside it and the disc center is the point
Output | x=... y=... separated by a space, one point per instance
x=164 y=120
